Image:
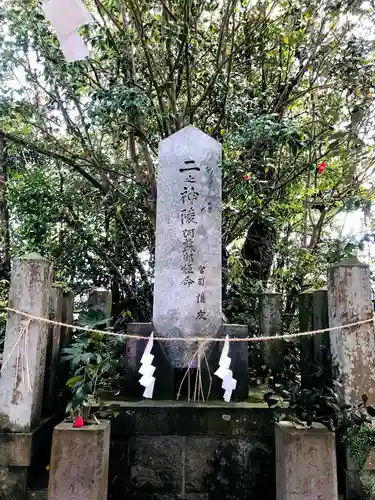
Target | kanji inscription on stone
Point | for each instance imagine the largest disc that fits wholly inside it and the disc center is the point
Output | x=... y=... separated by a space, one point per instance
x=188 y=241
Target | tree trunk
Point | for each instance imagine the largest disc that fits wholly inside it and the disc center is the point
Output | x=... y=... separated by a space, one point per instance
x=258 y=250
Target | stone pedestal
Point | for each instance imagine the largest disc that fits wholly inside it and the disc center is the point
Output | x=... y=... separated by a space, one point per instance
x=17 y=452
x=22 y=378
x=305 y=463
x=79 y=462
x=192 y=451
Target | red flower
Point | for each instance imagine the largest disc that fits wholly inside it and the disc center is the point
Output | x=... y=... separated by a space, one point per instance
x=78 y=422
x=246 y=177
x=322 y=166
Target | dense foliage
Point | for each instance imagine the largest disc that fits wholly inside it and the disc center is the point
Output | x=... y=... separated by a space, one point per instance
x=285 y=86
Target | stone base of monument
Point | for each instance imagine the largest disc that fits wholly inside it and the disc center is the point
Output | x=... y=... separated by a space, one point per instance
x=170 y=382
x=305 y=462
x=79 y=462
x=19 y=451
x=192 y=451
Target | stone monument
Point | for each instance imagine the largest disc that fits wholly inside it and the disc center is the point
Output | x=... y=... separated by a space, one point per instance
x=188 y=257
x=188 y=449
x=187 y=294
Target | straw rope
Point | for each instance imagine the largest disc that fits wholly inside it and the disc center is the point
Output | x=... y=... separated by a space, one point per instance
x=191 y=339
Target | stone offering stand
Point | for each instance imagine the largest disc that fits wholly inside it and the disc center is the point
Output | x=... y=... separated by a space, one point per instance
x=182 y=443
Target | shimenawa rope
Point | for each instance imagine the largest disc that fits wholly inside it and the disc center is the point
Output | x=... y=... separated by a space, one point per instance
x=191 y=339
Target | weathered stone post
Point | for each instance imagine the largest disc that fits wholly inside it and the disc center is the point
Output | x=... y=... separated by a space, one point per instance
x=25 y=346
x=53 y=349
x=67 y=318
x=313 y=315
x=63 y=369
x=100 y=299
x=22 y=377
x=353 y=349
x=79 y=462
x=270 y=324
x=305 y=463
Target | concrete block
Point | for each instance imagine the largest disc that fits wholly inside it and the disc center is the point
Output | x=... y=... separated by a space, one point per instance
x=79 y=462
x=200 y=452
x=305 y=463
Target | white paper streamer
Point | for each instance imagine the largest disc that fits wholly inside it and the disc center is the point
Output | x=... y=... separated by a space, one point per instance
x=66 y=16
x=147 y=369
x=73 y=47
x=229 y=383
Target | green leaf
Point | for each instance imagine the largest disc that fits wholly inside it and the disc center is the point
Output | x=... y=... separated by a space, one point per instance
x=72 y=381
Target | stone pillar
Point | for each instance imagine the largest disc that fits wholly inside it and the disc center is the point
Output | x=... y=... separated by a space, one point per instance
x=315 y=350
x=271 y=324
x=100 y=299
x=305 y=463
x=25 y=346
x=353 y=349
x=62 y=396
x=53 y=349
x=67 y=318
x=79 y=462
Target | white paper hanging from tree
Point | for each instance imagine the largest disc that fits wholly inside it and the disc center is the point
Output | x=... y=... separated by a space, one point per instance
x=225 y=374
x=66 y=16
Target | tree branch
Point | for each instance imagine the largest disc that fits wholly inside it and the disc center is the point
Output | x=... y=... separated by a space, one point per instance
x=56 y=156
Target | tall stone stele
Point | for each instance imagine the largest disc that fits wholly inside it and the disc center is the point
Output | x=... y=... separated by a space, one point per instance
x=187 y=293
